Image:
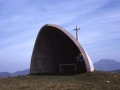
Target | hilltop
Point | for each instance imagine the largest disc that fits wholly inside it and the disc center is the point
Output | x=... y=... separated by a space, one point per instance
x=88 y=81
x=7 y=74
x=107 y=65
x=102 y=65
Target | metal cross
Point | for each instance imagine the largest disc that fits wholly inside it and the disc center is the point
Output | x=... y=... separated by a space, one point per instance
x=77 y=32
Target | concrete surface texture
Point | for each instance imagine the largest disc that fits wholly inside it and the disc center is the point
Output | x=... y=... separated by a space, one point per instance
x=57 y=51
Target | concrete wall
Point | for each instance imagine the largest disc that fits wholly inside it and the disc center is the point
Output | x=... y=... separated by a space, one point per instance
x=52 y=48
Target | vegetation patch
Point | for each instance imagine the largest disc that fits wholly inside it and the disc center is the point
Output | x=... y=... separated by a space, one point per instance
x=87 y=81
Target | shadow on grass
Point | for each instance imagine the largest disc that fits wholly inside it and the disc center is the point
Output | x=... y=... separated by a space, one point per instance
x=55 y=74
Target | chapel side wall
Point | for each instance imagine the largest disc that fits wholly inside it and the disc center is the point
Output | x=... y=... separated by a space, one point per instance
x=37 y=60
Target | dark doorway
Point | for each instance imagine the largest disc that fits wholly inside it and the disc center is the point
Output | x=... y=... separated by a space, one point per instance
x=68 y=68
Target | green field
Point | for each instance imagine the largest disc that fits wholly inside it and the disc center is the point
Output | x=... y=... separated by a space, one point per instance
x=87 y=81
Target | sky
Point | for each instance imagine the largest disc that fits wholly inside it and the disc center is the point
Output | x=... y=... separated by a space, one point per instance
x=21 y=20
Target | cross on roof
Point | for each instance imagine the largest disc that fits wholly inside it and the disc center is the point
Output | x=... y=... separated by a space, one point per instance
x=77 y=32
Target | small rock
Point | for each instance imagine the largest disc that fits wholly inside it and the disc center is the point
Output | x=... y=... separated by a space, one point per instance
x=107 y=81
x=27 y=76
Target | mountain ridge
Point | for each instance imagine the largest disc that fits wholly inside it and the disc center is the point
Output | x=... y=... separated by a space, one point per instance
x=7 y=74
x=107 y=65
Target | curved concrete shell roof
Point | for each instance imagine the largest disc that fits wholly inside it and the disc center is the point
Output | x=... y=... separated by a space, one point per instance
x=56 y=50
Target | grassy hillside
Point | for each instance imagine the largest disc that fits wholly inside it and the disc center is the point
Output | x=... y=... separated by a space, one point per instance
x=116 y=71
x=88 y=81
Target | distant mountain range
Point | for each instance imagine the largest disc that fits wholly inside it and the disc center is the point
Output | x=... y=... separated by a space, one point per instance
x=107 y=65
x=6 y=74
x=103 y=65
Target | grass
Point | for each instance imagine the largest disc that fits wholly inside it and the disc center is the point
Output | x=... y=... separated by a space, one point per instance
x=87 y=81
